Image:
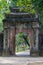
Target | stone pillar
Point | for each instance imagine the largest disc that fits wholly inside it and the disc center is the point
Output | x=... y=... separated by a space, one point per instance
x=31 y=40
x=9 y=41
x=37 y=38
x=34 y=50
x=12 y=40
x=6 y=42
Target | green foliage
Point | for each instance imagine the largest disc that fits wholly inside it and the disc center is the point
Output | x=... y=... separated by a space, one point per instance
x=13 y=3
x=19 y=48
x=4 y=8
x=19 y=38
x=38 y=5
x=26 y=5
x=20 y=42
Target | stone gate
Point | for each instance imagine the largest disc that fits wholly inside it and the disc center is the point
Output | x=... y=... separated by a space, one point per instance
x=16 y=22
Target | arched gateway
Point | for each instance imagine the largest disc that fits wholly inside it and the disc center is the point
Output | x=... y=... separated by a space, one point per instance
x=16 y=22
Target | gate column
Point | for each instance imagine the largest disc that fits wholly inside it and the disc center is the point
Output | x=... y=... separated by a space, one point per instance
x=6 y=42
x=31 y=40
x=9 y=41
x=35 y=48
x=12 y=40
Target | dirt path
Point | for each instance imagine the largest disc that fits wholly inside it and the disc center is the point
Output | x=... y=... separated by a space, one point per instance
x=27 y=60
x=20 y=60
x=36 y=63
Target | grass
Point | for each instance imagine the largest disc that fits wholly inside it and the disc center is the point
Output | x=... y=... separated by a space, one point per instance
x=19 y=48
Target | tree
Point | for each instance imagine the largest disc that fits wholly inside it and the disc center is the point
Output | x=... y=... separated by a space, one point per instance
x=25 y=5
x=38 y=5
x=19 y=39
x=4 y=8
x=22 y=38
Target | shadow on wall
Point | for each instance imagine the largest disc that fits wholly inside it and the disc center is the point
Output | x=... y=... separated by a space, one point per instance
x=1 y=43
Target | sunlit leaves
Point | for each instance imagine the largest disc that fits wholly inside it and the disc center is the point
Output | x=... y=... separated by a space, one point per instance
x=26 y=5
x=20 y=39
x=4 y=8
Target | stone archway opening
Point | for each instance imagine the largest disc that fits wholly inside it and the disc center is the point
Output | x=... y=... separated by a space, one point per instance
x=22 y=43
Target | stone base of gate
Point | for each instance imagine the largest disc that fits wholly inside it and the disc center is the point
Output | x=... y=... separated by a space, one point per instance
x=40 y=53
x=34 y=52
x=0 y=53
x=5 y=53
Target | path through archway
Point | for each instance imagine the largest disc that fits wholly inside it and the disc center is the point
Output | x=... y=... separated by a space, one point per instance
x=22 y=44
